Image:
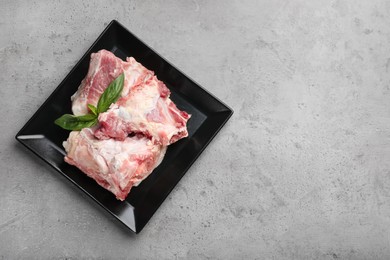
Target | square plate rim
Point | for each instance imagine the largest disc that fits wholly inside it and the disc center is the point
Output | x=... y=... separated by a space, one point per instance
x=227 y=111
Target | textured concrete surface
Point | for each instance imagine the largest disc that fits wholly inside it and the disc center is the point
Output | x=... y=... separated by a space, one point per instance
x=301 y=171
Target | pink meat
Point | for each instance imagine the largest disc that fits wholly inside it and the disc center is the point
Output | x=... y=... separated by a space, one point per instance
x=115 y=165
x=104 y=67
x=147 y=109
x=105 y=152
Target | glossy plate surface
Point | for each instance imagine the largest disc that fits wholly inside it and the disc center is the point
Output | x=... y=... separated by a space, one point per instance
x=42 y=137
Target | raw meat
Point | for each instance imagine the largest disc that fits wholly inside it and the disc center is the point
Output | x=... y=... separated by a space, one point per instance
x=115 y=165
x=104 y=67
x=105 y=152
x=147 y=109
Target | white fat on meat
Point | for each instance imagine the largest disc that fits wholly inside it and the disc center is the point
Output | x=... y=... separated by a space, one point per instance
x=105 y=152
x=115 y=165
x=104 y=67
x=147 y=109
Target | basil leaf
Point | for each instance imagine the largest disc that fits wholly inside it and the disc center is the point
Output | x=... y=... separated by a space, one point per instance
x=93 y=109
x=76 y=123
x=111 y=94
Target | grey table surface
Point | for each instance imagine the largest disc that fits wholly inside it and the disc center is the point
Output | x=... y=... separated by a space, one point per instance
x=301 y=170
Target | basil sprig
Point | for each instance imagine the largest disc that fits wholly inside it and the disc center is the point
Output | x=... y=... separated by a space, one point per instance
x=109 y=96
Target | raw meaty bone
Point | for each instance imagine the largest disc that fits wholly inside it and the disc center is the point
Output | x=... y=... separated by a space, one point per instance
x=147 y=109
x=115 y=165
x=104 y=67
x=144 y=106
x=105 y=152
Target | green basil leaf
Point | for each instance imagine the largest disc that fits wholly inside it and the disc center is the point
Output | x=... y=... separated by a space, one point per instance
x=76 y=123
x=111 y=94
x=93 y=109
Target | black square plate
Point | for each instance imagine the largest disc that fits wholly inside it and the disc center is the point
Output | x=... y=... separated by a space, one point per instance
x=42 y=137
